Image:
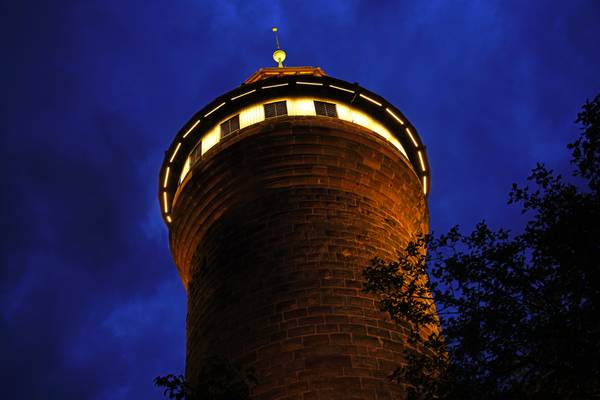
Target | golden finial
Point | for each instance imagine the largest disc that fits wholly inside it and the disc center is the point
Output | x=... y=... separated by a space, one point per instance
x=278 y=55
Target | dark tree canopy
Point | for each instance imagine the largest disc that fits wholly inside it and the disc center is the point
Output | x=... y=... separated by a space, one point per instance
x=519 y=312
x=218 y=379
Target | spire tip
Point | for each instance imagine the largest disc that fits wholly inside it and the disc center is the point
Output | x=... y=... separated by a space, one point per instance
x=278 y=55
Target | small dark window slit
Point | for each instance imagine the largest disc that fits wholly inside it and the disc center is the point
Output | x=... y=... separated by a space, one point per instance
x=230 y=126
x=196 y=154
x=326 y=109
x=276 y=109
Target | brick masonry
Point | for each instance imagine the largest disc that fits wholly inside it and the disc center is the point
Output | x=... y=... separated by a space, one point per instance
x=270 y=234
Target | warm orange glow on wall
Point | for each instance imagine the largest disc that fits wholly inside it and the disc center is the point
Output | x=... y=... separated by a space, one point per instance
x=254 y=114
x=211 y=138
x=363 y=119
x=301 y=103
x=184 y=170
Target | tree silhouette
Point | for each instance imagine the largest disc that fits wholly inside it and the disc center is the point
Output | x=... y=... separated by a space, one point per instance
x=519 y=313
x=218 y=379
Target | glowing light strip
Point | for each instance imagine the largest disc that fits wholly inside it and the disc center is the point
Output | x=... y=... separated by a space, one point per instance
x=370 y=99
x=253 y=114
x=421 y=160
x=175 y=152
x=309 y=83
x=341 y=88
x=166 y=177
x=214 y=109
x=169 y=220
x=424 y=184
x=165 y=202
x=192 y=128
x=412 y=137
x=273 y=86
x=243 y=94
x=394 y=115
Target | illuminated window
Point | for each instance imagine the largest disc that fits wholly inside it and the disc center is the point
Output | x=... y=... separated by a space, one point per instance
x=276 y=109
x=326 y=109
x=230 y=126
x=196 y=154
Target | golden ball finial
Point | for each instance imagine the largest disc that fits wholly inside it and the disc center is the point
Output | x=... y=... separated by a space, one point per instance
x=279 y=57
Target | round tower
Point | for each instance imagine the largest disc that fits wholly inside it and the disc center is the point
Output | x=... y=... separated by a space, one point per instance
x=276 y=195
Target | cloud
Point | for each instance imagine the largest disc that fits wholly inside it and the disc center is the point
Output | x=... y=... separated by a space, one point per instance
x=91 y=305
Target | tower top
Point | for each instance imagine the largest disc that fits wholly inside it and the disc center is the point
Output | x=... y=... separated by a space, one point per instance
x=280 y=71
x=278 y=54
x=301 y=90
x=271 y=72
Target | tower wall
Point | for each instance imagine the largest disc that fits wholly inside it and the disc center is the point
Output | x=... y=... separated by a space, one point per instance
x=271 y=232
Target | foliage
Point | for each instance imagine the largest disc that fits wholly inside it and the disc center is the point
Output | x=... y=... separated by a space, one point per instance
x=520 y=313
x=218 y=379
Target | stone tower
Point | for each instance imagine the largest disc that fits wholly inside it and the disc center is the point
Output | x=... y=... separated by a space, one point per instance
x=276 y=195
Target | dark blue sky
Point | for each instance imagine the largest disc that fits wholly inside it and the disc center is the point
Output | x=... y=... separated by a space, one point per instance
x=93 y=92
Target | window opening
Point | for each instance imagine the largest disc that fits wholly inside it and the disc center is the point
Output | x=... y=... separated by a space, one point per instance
x=276 y=109
x=196 y=154
x=230 y=126
x=326 y=109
